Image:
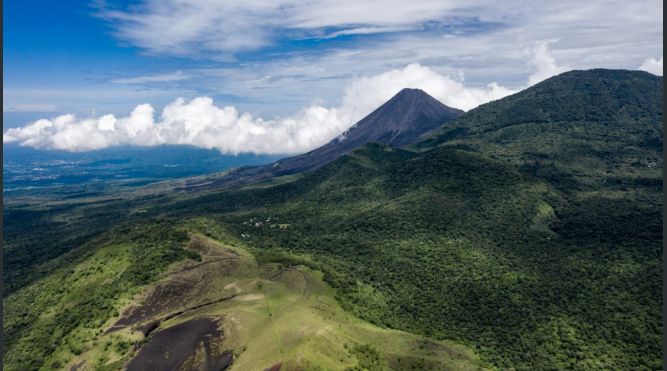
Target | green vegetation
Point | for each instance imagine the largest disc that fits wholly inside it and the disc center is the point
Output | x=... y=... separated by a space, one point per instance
x=42 y=236
x=581 y=128
x=530 y=230
x=59 y=316
x=455 y=246
x=278 y=312
x=369 y=358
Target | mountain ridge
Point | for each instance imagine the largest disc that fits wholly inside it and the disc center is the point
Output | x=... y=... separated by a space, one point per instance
x=596 y=87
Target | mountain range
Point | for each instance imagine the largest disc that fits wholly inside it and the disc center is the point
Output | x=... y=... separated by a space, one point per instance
x=523 y=234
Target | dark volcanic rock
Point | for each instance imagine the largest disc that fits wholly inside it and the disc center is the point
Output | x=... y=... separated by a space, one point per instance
x=170 y=348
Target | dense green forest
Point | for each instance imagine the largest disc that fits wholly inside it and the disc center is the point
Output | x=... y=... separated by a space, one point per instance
x=529 y=229
x=456 y=246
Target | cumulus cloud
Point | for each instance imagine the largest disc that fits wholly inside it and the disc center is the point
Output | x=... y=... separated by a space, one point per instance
x=199 y=122
x=544 y=63
x=447 y=90
x=653 y=66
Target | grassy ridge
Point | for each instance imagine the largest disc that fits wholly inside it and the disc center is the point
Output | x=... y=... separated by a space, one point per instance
x=282 y=312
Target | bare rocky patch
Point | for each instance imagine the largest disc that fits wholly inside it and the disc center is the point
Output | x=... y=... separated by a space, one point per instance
x=194 y=344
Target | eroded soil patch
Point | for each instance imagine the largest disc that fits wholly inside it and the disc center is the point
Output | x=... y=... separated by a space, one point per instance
x=192 y=343
x=186 y=289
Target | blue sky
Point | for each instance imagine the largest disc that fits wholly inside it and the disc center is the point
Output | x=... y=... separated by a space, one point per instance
x=276 y=76
x=52 y=48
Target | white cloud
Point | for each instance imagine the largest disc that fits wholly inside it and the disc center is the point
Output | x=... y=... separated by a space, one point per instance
x=183 y=28
x=653 y=66
x=275 y=76
x=199 y=122
x=544 y=64
x=367 y=92
x=485 y=39
x=219 y=29
x=188 y=28
x=167 y=77
x=367 y=31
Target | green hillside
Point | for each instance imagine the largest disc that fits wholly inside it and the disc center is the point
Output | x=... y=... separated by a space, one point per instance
x=529 y=230
x=94 y=314
x=456 y=246
x=581 y=127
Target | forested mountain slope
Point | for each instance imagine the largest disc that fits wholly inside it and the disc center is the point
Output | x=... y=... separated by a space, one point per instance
x=453 y=245
x=598 y=126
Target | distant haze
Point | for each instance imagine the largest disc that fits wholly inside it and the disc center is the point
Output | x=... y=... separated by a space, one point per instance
x=26 y=167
